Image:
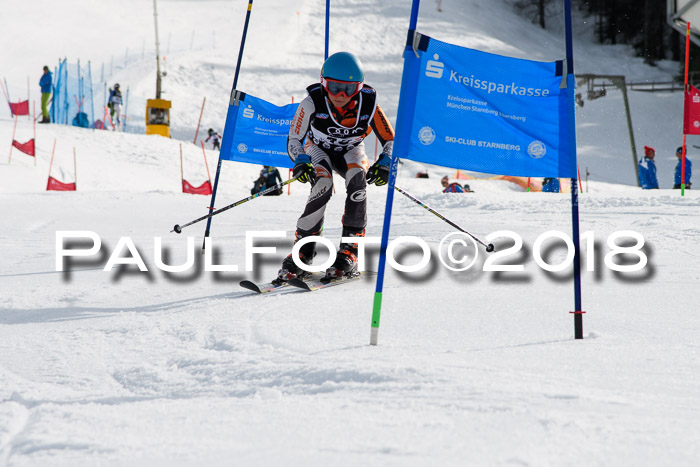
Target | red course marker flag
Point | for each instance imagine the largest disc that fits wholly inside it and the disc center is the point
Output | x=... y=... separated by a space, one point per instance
x=691 y=111
x=203 y=189
x=55 y=185
x=27 y=148
x=20 y=108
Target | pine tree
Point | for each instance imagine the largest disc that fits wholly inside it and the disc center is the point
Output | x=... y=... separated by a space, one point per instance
x=536 y=10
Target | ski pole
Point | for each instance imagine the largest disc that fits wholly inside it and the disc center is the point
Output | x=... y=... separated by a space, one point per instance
x=178 y=228
x=489 y=247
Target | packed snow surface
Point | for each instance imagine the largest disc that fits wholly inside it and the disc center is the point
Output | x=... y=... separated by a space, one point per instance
x=131 y=367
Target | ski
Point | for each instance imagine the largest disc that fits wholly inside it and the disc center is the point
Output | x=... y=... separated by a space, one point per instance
x=263 y=288
x=316 y=284
x=273 y=285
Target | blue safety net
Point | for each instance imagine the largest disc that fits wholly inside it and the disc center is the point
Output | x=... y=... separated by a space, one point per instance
x=72 y=102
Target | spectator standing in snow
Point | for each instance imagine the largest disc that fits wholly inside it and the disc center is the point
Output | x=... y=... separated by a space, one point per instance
x=647 y=170
x=551 y=185
x=450 y=187
x=115 y=105
x=45 y=83
x=688 y=170
x=269 y=177
x=215 y=137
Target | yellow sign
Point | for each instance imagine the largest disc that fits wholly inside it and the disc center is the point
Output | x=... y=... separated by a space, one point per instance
x=158 y=117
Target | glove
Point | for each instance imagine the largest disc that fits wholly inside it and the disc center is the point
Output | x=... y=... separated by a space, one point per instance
x=303 y=170
x=379 y=172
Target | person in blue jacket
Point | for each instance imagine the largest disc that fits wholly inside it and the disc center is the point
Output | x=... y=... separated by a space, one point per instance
x=45 y=83
x=551 y=185
x=451 y=187
x=688 y=170
x=647 y=170
x=269 y=177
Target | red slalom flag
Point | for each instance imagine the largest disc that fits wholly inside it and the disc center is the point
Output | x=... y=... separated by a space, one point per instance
x=27 y=148
x=20 y=108
x=203 y=189
x=55 y=185
x=691 y=111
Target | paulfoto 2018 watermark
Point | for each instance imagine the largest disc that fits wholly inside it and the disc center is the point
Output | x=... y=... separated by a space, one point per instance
x=456 y=251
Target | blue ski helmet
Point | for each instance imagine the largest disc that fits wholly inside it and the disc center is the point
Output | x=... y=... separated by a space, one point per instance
x=343 y=66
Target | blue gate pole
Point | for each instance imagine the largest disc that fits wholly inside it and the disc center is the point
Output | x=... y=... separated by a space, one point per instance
x=328 y=27
x=126 y=109
x=65 y=91
x=233 y=90
x=404 y=119
x=80 y=88
x=92 y=94
x=54 y=101
x=578 y=312
x=9 y=99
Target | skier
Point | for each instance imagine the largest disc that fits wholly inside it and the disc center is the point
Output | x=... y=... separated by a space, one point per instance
x=215 y=137
x=450 y=187
x=115 y=105
x=647 y=169
x=336 y=116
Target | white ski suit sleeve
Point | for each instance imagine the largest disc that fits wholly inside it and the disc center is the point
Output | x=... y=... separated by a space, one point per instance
x=299 y=127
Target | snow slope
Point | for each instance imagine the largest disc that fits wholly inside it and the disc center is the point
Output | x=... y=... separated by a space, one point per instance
x=473 y=368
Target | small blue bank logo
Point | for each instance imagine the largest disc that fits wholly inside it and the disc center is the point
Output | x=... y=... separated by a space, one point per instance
x=249 y=112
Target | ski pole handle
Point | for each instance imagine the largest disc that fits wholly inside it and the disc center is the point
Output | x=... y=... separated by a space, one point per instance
x=178 y=228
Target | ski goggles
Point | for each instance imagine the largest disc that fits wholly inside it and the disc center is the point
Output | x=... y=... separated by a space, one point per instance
x=335 y=87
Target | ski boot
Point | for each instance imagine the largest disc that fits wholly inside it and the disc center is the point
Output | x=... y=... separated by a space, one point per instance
x=345 y=263
x=289 y=269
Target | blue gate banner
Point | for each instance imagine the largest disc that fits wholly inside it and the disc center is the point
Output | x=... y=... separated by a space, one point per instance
x=489 y=113
x=256 y=132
